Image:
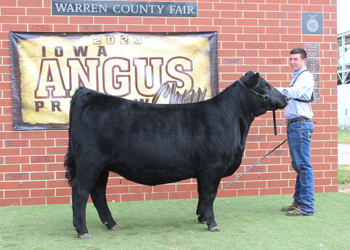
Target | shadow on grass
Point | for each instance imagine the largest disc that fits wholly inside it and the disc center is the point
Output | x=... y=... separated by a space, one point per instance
x=253 y=222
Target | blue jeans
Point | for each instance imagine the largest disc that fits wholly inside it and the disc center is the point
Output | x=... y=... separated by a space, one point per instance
x=299 y=141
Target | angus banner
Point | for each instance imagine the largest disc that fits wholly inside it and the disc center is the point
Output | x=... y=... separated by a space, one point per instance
x=161 y=68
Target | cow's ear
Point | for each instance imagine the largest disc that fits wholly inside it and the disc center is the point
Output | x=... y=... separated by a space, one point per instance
x=254 y=79
x=249 y=73
x=244 y=79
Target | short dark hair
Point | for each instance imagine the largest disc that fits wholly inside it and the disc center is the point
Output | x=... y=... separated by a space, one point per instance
x=300 y=51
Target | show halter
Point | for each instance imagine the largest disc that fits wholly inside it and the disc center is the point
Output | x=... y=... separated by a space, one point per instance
x=265 y=96
x=266 y=99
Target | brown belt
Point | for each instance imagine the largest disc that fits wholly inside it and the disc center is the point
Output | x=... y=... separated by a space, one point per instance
x=290 y=121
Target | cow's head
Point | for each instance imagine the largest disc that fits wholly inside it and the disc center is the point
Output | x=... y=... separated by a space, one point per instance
x=264 y=95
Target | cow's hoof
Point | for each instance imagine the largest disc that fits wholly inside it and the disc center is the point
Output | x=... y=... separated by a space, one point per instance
x=85 y=236
x=201 y=220
x=116 y=227
x=214 y=229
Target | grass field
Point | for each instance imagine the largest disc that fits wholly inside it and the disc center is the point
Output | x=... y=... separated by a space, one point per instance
x=252 y=222
x=344 y=136
x=344 y=170
x=343 y=174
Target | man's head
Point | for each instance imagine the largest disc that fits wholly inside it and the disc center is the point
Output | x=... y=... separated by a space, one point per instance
x=297 y=59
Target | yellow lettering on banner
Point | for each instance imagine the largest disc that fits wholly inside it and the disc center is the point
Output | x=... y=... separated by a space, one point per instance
x=50 y=80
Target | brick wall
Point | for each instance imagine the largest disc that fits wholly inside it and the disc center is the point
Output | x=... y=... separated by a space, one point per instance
x=253 y=35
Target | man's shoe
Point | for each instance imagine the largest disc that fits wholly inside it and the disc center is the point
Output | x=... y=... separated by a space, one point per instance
x=295 y=213
x=289 y=208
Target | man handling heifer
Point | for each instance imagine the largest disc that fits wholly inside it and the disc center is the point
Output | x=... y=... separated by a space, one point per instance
x=299 y=130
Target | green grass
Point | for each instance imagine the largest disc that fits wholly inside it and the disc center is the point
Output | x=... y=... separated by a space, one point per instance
x=343 y=174
x=344 y=136
x=253 y=222
x=344 y=170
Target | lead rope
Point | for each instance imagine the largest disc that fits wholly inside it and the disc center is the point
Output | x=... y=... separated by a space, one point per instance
x=275 y=130
x=254 y=164
x=274 y=122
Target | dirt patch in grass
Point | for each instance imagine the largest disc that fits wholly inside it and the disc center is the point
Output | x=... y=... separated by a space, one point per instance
x=345 y=188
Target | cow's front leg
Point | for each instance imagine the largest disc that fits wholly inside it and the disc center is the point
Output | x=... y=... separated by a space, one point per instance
x=80 y=195
x=98 y=196
x=209 y=214
x=209 y=190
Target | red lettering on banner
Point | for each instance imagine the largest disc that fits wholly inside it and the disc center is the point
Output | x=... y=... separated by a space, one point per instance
x=87 y=78
x=114 y=84
x=50 y=80
x=177 y=68
x=116 y=78
x=156 y=65
x=142 y=87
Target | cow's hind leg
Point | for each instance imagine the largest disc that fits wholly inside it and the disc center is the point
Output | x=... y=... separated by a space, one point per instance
x=80 y=195
x=201 y=203
x=208 y=187
x=98 y=196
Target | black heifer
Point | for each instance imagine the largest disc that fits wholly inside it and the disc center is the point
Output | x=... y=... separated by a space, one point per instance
x=155 y=144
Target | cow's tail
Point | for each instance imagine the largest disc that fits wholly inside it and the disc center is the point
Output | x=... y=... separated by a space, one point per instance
x=69 y=161
x=70 y=165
